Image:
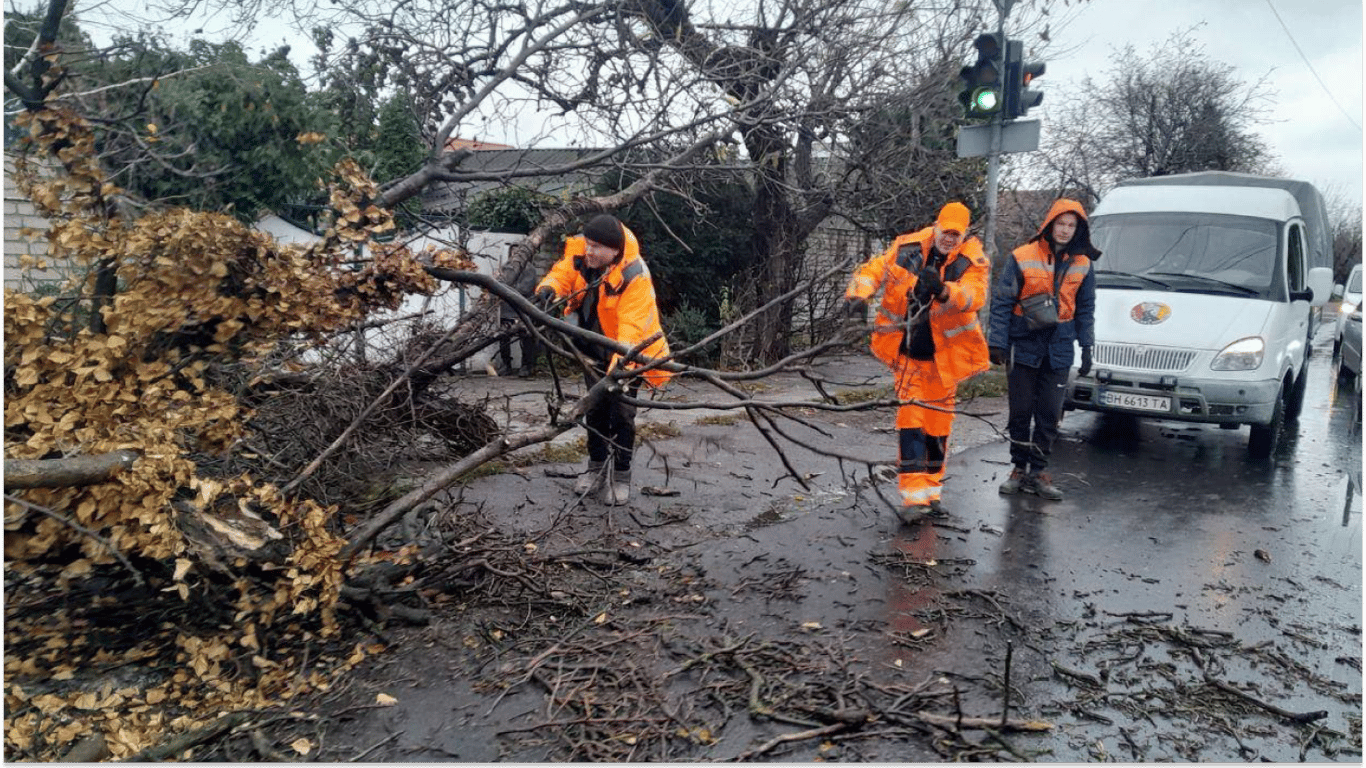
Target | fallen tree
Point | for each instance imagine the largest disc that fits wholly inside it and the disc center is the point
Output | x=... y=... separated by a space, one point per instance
x=68 y=471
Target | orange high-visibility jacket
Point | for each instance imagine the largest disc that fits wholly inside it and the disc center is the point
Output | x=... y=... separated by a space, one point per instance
x=627 y=311
x=960 y=347
x=1035 y=259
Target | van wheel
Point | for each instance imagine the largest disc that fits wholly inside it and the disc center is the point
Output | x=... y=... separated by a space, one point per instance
x=1295 y=405
x=1264 y=437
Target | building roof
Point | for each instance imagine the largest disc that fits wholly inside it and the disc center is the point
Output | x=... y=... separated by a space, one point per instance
x=447 y=196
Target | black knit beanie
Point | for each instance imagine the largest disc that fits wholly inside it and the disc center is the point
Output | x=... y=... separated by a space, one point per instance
x=606 y=230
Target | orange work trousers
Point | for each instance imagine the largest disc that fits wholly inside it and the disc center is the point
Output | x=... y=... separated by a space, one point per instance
x=923 y=432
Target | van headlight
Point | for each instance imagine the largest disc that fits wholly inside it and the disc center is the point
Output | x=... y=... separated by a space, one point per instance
x=1241 y=355
x=1347 y=307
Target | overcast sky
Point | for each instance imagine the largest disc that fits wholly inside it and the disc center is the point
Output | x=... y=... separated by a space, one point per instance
x=1311 y=56
x=1306 y=128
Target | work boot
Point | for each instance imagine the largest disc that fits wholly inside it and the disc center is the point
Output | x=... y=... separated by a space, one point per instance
x=937 y=508
x=1042 y=485
x=591 y=479
x=913 y=513
x=618 y=488
x=1017 y=482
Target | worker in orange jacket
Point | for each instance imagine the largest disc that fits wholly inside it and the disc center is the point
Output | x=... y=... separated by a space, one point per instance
x=606 y=288
x=933 y=283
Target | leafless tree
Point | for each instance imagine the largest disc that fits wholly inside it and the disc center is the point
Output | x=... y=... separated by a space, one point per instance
x=1344 y=216
x=827 y=108
x=836 y=109
x=1172 y=111
x=846 y=111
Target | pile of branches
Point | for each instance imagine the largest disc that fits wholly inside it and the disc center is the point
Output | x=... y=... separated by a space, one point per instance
x=296 y=416
x=114 y=396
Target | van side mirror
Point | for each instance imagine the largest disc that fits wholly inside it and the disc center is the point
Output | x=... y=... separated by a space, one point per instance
x=1319 y=285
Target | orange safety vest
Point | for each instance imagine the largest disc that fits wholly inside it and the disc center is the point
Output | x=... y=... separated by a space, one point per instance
x=960 y=346
x=1035 y=259
x=627 y=310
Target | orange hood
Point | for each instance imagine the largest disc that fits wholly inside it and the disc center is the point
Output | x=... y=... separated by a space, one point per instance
x=1081 y=241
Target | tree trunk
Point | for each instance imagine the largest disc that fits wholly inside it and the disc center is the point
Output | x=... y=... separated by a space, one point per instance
x=780 y=267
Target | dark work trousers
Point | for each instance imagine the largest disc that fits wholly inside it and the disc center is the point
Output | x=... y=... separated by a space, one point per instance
x=1035 y=396
x=611 y=427
x=528 y=345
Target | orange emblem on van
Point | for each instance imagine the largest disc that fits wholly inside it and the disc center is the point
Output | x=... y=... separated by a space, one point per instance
x=1150 y=312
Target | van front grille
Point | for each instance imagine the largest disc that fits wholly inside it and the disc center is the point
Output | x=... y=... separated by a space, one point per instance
x=1144 y=358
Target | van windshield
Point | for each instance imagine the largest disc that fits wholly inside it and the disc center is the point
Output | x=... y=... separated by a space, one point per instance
x=1354 y=283
x=1218 y=253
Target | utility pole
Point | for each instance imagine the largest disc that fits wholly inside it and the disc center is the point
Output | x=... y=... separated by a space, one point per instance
x=994 y=152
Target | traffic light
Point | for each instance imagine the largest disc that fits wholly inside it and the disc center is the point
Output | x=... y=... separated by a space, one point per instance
x=1019 y=97
x=982 y=93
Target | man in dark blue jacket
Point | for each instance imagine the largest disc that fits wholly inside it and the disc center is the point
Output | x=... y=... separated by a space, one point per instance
x=1042 y=305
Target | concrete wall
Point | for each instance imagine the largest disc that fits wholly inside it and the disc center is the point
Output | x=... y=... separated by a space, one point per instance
x=489 y=250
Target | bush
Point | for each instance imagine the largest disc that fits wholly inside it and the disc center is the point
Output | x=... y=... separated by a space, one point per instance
x=688 y=325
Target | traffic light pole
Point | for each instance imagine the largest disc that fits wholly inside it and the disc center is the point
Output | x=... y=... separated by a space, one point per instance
x=994 y=153
x=993 y=183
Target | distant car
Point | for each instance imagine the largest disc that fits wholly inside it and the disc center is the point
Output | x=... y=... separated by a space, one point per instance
x=1351 y=299
x=1350 y=363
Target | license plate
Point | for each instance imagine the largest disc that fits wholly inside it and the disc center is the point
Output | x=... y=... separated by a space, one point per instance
x=1136 y=402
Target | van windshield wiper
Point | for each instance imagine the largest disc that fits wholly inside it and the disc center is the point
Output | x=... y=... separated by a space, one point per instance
x=1104 y=273
x=1221 y=283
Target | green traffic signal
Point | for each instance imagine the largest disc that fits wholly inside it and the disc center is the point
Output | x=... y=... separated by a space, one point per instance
x=981 y=95
x=986 y=100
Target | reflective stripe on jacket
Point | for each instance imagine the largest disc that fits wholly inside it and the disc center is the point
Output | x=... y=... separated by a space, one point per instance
x=626 y=308
x=960 y=346
x=1035 y=262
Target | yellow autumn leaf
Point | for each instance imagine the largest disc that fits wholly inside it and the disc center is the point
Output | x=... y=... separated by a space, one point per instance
x=182 y=566
x=80 y=567
x=68 y=733
x=49 y=704
x=302 y=746
x=385 y=700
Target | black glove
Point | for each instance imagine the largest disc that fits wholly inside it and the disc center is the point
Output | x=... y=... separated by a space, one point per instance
x=854 y=307
x=1085 y=362
x=545 y=297
x=931 y=281
x=998 y=356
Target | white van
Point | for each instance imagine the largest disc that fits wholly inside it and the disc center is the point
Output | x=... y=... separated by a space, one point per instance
x=1205 y=299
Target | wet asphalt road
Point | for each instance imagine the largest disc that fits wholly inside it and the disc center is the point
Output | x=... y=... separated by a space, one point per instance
x=1165 y=525
x=1177 y=519
x=1170 y=537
